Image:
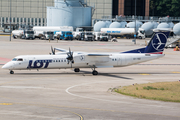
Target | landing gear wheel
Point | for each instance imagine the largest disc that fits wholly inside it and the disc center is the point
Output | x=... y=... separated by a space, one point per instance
x=95 y=72
x=76 y=70
x=11 y=72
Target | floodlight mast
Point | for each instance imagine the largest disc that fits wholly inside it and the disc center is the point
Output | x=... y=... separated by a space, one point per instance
x=135 y=24
x=10 y=20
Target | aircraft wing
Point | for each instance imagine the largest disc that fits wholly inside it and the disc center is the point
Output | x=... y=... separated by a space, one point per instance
x=61 y=50
x=97 y=59
x=98 y=55
x=92 y=58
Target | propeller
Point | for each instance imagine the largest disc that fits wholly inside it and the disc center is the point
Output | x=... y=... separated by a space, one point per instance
x=53 y=50
x=70 y=57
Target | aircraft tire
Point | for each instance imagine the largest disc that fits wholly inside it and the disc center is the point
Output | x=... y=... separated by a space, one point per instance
x=95 y=72
x=76 y=70
x=11 y=72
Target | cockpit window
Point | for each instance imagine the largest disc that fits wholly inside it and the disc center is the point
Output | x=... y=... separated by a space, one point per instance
x=14 y=59
x=20 y=59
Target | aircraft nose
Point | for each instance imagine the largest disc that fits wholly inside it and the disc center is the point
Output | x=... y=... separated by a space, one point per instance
x=7 y=66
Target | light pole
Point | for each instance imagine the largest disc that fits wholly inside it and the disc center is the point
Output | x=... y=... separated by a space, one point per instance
x=10 y=20
x=135 y=24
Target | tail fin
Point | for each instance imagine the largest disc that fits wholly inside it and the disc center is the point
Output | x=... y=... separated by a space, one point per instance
x=157 y=43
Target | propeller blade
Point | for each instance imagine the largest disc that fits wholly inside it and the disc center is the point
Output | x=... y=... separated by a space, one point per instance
x=72 y=54
x=70 y=57
x=69 y=50
x=53 y=50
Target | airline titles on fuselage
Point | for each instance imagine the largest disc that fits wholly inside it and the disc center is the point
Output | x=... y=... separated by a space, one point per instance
x=44 y=63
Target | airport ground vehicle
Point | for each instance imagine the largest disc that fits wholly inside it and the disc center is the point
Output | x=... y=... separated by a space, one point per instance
x=23 y=34
x=124 y=32
x=39 y=30
x=53 y=28
x=17 y=33
x=77 y=33
x=57 y=34
x=88 y=36
x=47 y=35
x=28 y=34
x=65 y=35
x=38 y=34
x=101 y=36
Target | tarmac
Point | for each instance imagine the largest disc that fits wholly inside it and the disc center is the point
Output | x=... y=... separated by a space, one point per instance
x=66 y=95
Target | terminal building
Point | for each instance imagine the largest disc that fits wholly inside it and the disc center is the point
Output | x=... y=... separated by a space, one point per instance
x=34 y=12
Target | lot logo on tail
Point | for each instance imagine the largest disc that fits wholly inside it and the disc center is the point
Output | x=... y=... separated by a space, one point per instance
x=159 y=42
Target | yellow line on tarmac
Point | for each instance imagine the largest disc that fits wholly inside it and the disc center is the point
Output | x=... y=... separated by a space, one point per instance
x=144 y=74
x=6 y=104
x=4 y=35
x=175 y=72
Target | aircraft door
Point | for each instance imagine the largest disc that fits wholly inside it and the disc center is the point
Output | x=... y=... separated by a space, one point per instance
x=119 y=61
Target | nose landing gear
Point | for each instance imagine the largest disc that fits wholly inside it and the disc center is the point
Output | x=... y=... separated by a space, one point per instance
x=11 y=72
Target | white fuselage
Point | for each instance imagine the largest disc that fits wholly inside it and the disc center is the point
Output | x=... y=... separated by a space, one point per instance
x=81 y=60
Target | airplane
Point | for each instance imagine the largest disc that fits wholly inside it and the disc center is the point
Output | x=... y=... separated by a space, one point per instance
x=67 y=59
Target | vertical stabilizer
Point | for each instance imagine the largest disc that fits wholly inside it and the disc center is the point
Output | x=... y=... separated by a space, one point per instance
x=157 y=43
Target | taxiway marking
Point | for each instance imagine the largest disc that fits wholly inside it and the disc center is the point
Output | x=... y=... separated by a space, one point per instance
x=105 y=100
x=6 y=104
x=4 y=35
x=144 y=74
x=175 y=72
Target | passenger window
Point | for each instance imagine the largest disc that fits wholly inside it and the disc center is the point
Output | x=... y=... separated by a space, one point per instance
x=20 y=59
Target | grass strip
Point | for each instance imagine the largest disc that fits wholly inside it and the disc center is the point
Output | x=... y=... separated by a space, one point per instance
x=163 y=91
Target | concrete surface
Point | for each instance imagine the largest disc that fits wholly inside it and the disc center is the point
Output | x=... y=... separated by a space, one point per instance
x=65 y=95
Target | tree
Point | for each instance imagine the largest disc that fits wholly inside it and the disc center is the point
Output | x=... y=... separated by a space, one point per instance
x=164 y=8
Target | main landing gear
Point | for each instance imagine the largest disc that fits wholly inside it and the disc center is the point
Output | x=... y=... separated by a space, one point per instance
x=76 y=70
x=11 y=72
x=94 y=72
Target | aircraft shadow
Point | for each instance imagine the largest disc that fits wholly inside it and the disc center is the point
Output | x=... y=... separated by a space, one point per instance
x=108 y=75
x=87 y=73
x=82 y=73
